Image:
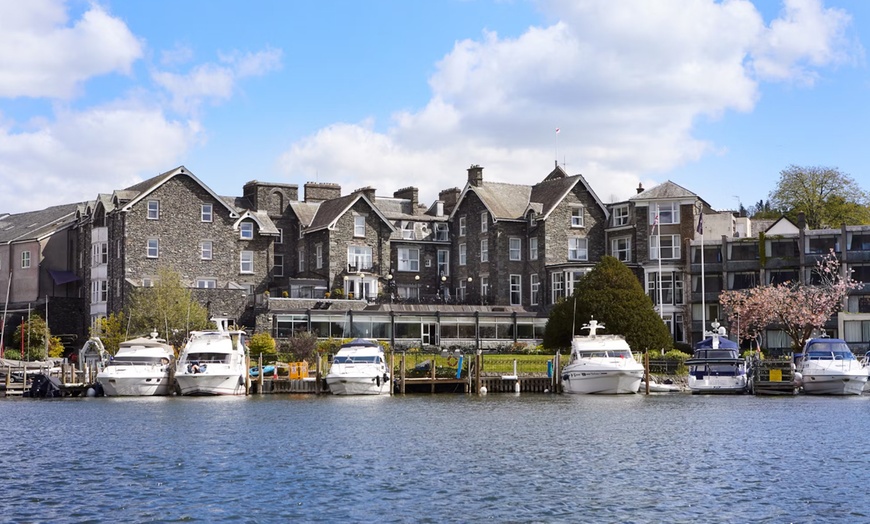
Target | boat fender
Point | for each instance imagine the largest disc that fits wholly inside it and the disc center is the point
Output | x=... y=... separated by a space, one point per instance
x=378 y=380
x=566 y=377
x=241 y=380
x=451 y=361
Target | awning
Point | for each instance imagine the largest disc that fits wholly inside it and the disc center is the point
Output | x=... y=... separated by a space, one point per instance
x=62 y=277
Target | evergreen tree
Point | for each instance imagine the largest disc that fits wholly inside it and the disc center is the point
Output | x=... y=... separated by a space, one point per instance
x=612 y=295
x=33 y=332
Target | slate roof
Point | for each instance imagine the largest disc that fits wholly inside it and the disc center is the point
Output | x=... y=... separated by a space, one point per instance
x=305 y=211
x=36 y=224
x=665 y=191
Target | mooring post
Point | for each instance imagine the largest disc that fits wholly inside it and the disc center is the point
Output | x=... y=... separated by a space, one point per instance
x=646 y=369
x=402 y=376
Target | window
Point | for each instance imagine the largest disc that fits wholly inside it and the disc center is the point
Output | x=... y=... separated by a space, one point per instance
x=100 y=253
x=515 y=248
x=621 y=249
x=99 y=291
x=484 y=250
x=280 y=239
x=153 y=248
x=557 y=286
x=147 y=282
x=153 y=209
x=409 y=259
x=577 y=249
x=576 y=216
x=534 y=288
x=533 y=249
x=25 y=259
x=620 y=216
x=318 y=256
x=461 y=254
x=246 y=230
x=484 y=222
x=669 y=213
x=206 y=213
x=407 y=230
x=300 y=259
x=443 y=262
x=461 y=291
x=205 y=250
x=484 y=287
x=359 y=226
x=442 y=232
x=670 y=246
x=206 y=283
x=278 y=265
x=672 y=287
x=462 y=227
x=246 y=262
x=516 y=290
x=359 y=257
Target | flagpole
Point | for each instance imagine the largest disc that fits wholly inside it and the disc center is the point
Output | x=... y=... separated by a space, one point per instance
x=659 y=284
x=556 y=146
x=5 y=310
x=703 y=283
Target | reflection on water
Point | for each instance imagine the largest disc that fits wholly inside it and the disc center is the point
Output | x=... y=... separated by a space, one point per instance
x=535 y=457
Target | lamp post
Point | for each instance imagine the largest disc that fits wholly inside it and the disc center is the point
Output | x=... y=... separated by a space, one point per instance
x=417 y=283
x=443 y=283
x=468 y=291
x=390 y=286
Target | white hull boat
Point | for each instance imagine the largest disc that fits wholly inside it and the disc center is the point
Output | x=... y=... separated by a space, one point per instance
x=828 y=367
x=359 y=368
x=716 y=366
x=213 y=363
x=601 y=364
x=142 y=367
x=659 y=387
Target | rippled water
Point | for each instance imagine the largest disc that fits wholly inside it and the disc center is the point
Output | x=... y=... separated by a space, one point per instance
x=443 y=458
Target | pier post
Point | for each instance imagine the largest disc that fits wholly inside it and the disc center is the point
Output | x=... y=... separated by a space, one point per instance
x=402 y=376
x=260 y=378
x=646 y=369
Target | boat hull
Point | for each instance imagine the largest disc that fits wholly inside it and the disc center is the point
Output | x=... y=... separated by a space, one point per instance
x=135 y=386
x=718 y=384
x=834 y=384
x=603 y=382
x=359 y=385
x=210 y=384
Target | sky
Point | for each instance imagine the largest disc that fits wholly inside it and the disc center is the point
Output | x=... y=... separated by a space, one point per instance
x=716 y=96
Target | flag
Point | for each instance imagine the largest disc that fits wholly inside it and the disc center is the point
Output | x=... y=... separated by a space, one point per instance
x=700 y=229
x=655 y=223
x=557 y=130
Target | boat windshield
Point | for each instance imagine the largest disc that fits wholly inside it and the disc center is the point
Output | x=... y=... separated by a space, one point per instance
x=715 y=353
x=830 y=352
x=340 y=359
x=612 y=353
x=209 y=358
x=125 y=361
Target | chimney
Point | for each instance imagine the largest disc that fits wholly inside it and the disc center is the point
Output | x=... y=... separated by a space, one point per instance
x=449 y=197
x=368 y=191
x=639 y=188
x=408 y=193
x=318 y=192
x=475 y=175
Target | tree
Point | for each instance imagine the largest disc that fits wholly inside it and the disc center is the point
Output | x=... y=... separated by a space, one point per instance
x=826 y=197
x=167 y=308
x=261 y=344
x=112 y=330
x=612 y=295
x=799 y=309
x=34 y=332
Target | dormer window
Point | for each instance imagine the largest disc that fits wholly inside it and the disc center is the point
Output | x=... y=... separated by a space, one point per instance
x=532 y=220
x=246 y=230
x=408 y=230
x=441 y=232
x=620 y=216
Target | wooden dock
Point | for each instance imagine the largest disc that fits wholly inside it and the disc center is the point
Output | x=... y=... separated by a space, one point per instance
x=773 y=376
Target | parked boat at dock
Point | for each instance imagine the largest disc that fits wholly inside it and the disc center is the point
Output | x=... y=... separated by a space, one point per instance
x=359 y=368
x=828 y=367
x=141 y=367
x=601 y=364
x=213 y=362
x=716 y=366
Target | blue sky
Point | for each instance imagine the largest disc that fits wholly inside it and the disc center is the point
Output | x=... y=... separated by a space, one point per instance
x=718 y=97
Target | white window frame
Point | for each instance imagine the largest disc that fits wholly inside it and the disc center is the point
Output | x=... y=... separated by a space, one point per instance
x=246 y=262
x=534 y=288
x=280 y=239
x=407 y=230
x=442 y=231
x=152 y=248
x=533 y=248
x=578 y=248
x=516 y=290
x=153 y=212
x=99 y=291
x=443 y=262
x=206 y=283
x=25 y=259
x=206 y=213
x=621 y=216
x=623 y=254
x=484 y=250
x=246 y=231
x=277 y=265
x=359 y=256
x=669 y=213
x=409 y=259
x=673 y=249
x=318 y=256
x=484 y=222
x=484 y=287
x=359 y=226
x=206 y=250
x=463 y=254
x=577 y=218
x=300 y=259
x=515 y=248
x=557 y=286
x=462 y=227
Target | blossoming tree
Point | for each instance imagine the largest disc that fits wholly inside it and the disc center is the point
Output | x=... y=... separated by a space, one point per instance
x=797 y=308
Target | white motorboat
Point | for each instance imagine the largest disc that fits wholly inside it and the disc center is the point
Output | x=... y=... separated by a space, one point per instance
x=716 y=366
x=601 y=364
x=213 y=362
x=828 y=367
x=659 y=387
x=141 y=367
x=359 y=368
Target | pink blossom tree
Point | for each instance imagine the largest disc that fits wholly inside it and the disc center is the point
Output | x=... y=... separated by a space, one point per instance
x=798 y=309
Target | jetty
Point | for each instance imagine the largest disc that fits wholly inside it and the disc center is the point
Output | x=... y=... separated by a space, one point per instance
x=772 y=376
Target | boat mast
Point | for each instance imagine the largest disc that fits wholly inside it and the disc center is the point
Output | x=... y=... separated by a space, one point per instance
x=5 y=310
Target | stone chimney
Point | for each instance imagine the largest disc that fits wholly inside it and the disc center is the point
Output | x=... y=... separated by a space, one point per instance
x=408 y=193
x=274 y=197
x=475 y=175
x=368 y=191
x=318 y=192
x=449 y=197
x=640 y=188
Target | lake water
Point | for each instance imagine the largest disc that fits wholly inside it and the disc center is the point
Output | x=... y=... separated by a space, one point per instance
x=442 y=458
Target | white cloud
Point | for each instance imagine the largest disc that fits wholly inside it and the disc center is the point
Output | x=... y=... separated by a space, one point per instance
x=81 y=154
x=625 y=81
x=42 y=55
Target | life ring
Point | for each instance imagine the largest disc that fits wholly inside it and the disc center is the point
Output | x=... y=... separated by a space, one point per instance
x=451 y=361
